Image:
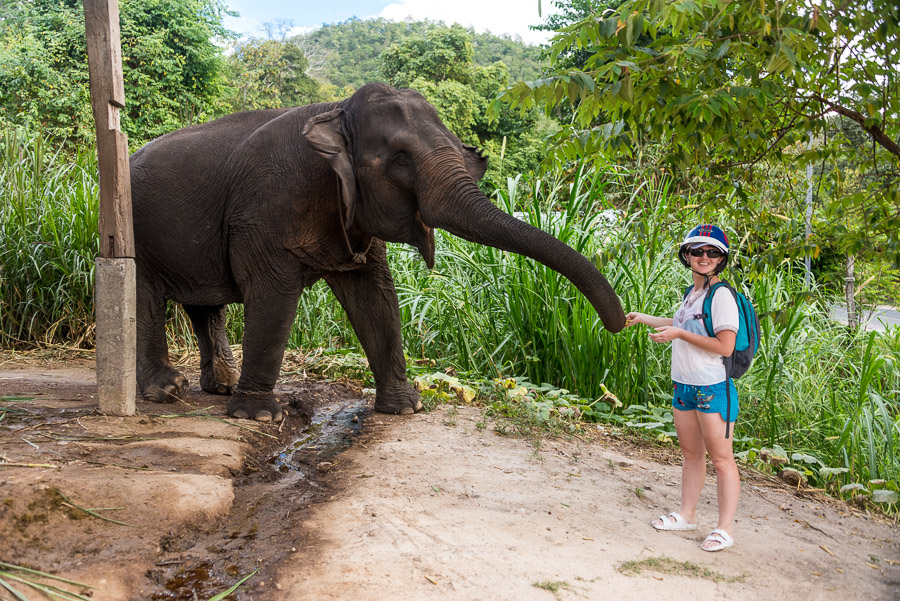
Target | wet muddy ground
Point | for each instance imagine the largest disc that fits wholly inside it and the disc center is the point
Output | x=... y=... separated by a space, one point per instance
x=193 y=500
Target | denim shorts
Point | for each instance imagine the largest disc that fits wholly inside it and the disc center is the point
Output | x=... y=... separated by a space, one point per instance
x=706 y=399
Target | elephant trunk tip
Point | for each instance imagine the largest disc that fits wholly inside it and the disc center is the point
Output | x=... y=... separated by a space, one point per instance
x=615 y=323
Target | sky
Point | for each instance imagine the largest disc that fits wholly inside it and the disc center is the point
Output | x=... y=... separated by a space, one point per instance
x=496 y=16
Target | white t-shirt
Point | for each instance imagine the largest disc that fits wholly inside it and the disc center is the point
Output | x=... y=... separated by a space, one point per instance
x=691 y=364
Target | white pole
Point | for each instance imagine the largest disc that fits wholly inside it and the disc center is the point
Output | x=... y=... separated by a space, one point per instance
x=808 y=280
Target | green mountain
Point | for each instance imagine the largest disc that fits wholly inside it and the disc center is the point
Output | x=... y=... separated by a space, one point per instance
x=349 y=53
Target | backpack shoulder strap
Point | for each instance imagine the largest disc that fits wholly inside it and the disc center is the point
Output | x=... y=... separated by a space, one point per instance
x=687 y=291
x=707 y=305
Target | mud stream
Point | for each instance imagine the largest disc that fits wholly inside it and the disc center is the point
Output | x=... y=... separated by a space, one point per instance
x=270 y=498
x=330 y=431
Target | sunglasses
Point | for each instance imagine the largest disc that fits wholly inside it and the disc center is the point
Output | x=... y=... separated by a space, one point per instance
x=712 y=253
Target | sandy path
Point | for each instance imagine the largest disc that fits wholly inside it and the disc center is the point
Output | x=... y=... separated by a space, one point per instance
x=437 y=511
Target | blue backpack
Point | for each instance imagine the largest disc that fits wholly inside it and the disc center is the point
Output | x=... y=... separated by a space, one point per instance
x=746 y=342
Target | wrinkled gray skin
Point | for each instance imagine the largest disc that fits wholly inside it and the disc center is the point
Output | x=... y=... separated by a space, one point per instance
x=250 y=209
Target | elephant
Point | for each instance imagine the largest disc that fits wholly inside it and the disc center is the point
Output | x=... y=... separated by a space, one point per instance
x=256 y=206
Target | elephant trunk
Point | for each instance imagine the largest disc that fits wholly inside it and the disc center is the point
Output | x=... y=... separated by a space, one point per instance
x=451 y=200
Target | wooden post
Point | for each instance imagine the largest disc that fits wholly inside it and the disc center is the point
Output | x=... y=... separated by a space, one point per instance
x=114 y=281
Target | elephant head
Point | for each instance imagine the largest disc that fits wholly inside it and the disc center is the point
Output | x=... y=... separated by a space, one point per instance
x=403 y=173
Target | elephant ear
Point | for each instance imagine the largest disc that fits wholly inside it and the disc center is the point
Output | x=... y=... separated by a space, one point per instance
x=325 y=133
x=476 y=163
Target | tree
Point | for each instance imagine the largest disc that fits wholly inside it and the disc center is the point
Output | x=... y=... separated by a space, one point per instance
x=269 y=74
x=570 y=12
x=171 y=65
x=348 y=54
x=439 y=55
x=727 y=87
x=439 y=65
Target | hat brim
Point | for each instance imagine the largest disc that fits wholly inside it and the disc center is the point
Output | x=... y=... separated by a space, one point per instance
x=700 y=241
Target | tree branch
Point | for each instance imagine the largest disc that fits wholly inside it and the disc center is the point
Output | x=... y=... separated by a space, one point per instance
x=873 y=130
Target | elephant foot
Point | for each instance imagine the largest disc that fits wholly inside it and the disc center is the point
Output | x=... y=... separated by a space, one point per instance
x=220 y=378
x=403 y=400
x=260 y=406
x=167 y=386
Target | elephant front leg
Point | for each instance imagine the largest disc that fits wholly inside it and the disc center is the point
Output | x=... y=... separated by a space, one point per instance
x=267 y=324
x=218 y=372
x=370 y=300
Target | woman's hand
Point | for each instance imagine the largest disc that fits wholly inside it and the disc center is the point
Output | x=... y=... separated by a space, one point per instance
x=634 y=318
x=666 y=334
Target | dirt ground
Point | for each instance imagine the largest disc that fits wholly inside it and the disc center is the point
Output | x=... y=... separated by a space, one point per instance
x=338 y=502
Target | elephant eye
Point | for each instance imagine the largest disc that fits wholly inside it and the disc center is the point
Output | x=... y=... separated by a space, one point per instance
x=401 y=170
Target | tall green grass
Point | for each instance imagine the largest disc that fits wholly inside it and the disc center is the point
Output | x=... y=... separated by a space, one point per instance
x=48 y=240
x=824 y=394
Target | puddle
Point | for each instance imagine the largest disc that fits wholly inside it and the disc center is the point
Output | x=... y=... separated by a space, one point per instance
x=331 y=430
x=190 y=584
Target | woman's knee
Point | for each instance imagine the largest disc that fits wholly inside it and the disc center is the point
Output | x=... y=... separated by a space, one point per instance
x=724 y=463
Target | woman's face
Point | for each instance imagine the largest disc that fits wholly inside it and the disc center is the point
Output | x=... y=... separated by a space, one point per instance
x=703 y=264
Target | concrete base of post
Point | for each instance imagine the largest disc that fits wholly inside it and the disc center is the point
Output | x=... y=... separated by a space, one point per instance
x=115 y=306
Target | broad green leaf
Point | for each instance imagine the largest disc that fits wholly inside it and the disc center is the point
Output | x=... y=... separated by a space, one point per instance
x=884 y=496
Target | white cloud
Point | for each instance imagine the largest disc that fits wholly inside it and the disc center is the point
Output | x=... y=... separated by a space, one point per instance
x=497 y=16
x=242 y=24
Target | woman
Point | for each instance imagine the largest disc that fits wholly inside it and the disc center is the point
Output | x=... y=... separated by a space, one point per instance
x=699 y=379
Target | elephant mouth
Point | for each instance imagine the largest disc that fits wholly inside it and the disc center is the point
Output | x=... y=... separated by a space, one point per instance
x=424 y=241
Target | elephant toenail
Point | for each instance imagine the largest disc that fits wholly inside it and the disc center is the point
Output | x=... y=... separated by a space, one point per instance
x=264 y=416
x=407 y=411
x=240 y=414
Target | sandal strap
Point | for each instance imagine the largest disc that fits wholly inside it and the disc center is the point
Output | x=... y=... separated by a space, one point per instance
x=673 y=518
x=719 y=535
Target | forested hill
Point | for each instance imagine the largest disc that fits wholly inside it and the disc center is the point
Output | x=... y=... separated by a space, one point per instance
x=349 y=53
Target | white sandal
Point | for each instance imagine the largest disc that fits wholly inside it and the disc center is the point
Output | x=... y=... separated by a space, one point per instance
x=673 y=521
x=721 y=539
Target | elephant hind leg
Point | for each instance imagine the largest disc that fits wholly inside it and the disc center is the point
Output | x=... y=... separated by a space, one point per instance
x=218 y=372
x=158 y=381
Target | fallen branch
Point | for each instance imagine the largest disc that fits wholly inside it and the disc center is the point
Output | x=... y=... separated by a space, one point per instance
x=92 y=512
x=216 y=419
x=124 y=467
x=74 y=438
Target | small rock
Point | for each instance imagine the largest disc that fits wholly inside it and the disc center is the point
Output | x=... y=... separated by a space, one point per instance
x=324 y=466
x=355 y=419
x=792 y=477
